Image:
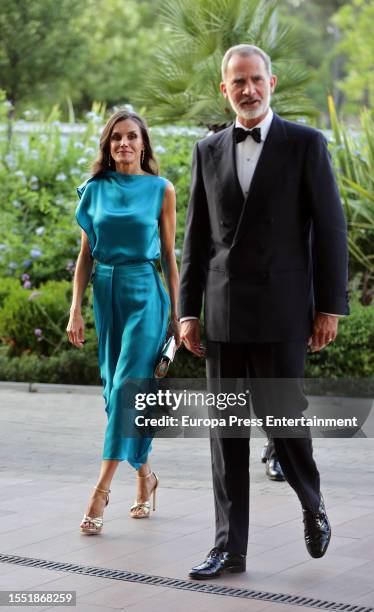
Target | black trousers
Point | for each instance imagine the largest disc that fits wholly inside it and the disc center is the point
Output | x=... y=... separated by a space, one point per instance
x=230 y=456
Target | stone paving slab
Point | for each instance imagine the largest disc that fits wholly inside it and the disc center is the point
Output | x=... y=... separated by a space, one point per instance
x=49 y=458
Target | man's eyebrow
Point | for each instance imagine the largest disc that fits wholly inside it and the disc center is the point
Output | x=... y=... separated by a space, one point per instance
x=243 y=76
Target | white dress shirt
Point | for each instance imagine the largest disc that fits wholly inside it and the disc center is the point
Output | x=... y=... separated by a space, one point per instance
x=247 y=155
x=248 y=152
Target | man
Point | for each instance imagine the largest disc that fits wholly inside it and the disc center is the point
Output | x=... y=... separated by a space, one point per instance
x=258 y=189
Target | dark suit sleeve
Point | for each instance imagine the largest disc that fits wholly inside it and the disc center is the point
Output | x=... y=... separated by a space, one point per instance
x=329 y=248
x=196 y=245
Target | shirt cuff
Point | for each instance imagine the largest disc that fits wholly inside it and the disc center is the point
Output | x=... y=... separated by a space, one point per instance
x=188 y=319
x=331 y=314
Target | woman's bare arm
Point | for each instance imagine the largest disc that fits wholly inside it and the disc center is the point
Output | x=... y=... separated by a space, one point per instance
x=83 y=271
x=168 y=261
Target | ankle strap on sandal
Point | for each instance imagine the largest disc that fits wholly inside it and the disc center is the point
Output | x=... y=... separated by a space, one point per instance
x=102 y=490
x=148 y=475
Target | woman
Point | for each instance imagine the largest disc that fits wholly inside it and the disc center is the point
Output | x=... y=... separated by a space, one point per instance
x=125 y=209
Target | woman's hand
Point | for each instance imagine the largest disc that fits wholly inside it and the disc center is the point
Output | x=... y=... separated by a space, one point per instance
x=82 y=275
x=75 y=329
x=174 y=329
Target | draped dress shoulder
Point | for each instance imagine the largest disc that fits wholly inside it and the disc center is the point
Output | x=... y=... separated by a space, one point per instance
x=120 y=214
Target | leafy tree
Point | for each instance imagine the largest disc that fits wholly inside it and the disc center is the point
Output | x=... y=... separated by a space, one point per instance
x=312 y=23
x=184 y=83
x=39 y=45
x=353 y=155
x=328 y=6
x=80 y=50
x=355 y=22
x=120 y=38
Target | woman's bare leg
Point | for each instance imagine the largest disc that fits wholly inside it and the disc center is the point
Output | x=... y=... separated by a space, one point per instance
x=144 y=486
x=97 y=501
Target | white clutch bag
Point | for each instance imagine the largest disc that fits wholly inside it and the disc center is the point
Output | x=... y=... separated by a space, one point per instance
x=167 y=356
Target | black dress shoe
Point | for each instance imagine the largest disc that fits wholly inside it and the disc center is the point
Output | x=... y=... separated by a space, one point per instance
x=216 y=563
x=317 y=530
x=273 y=470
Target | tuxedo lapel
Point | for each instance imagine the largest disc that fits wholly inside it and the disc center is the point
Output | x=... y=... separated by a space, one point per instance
x=224 y=156
x=269 y=165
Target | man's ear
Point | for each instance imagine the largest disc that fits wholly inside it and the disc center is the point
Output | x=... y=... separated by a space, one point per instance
x=223 y=89
x=273 y=82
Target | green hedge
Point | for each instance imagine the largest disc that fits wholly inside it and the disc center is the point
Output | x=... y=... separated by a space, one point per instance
x=34 y=321
x=352 y=353
x=78 y=367
x=45 y=355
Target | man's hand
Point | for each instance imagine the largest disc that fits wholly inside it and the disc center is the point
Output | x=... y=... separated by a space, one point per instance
x=325 y=330
x=190 y=336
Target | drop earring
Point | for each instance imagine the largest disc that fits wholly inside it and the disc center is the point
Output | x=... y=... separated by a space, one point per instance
x=142 y=157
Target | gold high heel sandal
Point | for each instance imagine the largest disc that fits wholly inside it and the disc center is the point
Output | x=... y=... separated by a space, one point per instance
x=97 y=521
x=143 y=509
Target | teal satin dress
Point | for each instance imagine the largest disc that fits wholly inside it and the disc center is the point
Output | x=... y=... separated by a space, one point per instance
x=120 y=215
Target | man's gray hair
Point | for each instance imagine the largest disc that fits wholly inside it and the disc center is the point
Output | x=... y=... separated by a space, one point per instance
x=245 y=50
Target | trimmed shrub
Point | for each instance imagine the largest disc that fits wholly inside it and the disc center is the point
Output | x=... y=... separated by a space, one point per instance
x=35 y=348
x=8 y=286
x=74 y=367
x=34 y=321
x=352 y=353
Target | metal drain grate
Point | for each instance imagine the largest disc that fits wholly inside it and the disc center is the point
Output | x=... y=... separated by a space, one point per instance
x=185 y=585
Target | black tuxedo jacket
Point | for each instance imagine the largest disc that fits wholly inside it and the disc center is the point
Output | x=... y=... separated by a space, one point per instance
x=255 y=261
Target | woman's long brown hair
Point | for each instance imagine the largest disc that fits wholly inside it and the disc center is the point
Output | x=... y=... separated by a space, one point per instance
x=105 y=161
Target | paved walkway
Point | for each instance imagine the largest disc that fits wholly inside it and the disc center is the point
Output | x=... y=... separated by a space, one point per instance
x=49 y=457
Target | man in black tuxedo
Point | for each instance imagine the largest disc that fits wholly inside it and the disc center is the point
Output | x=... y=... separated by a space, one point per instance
x=259 y=188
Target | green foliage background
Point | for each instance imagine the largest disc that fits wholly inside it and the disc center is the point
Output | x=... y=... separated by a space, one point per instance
x=40 y=238
x=81 y=51
x=82 y=59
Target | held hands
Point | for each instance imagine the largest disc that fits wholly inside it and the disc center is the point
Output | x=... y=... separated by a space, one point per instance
x=75 y=329
x=190 y=336
x=325 y=329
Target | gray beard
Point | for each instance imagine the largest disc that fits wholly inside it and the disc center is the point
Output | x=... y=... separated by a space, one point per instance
x=248 y=113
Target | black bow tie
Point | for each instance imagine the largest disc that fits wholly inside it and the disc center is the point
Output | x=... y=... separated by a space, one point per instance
x=241 y=134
